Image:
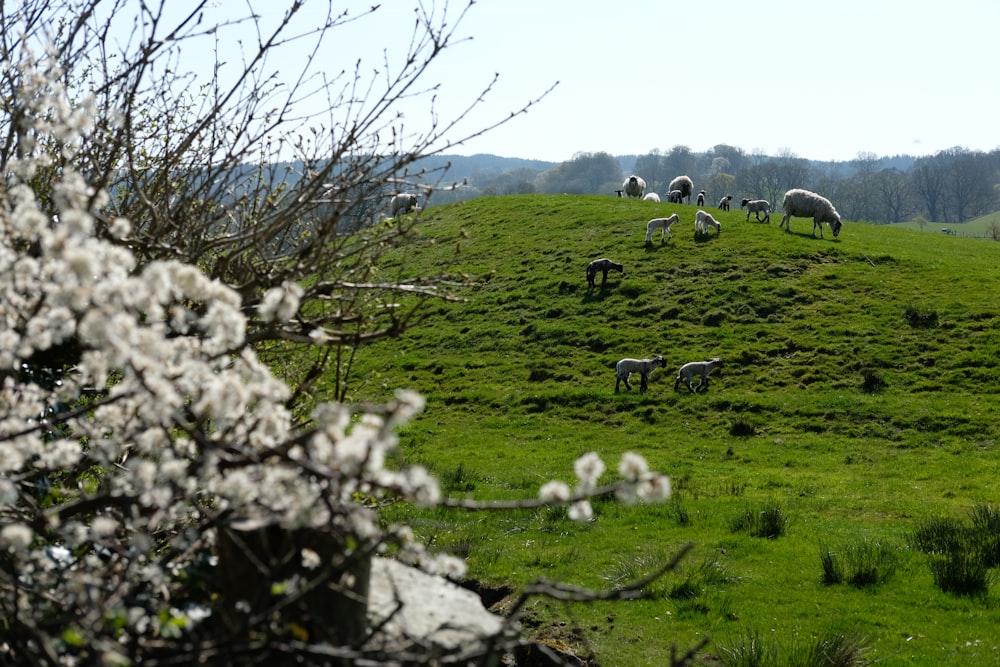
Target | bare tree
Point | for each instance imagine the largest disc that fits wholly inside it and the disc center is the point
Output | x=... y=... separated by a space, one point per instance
x=221 y=168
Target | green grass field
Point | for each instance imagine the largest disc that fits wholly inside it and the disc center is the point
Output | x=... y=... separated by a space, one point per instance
x=858 y=401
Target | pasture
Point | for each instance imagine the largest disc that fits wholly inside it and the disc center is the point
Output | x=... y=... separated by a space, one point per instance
x=857 y=404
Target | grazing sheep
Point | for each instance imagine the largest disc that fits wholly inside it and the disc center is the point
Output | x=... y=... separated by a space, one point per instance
x=755 y=206
x=700 y=368
x=403 y=203
x=701 y=198
x=724 y=202
x=619 y=193
x=804 y=204
x=603 y=265
x=675 y=196
x=703 y=220
x=651 y=196
x=634 y=187
x=684 y=184
x=662 y=224
x=644 y=367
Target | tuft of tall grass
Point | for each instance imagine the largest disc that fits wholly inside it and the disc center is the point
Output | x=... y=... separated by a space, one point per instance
x=862 y=564
x=833 y=648
x=769 y=522
x=962 y=553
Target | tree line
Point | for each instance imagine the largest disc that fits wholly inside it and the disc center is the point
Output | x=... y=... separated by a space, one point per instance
x=951 y=186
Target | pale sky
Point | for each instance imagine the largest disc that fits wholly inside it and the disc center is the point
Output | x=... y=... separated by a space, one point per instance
x=823 y=80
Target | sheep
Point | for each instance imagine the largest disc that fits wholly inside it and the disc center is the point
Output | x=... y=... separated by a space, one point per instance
x=724 y=202
x=804 y=204
x=644 y=367
x=703 y=220
x=403 y=203
x=634 y=187
x=755 y=206
x=619 y=193
x=652 y=196
x=675 y=196
x=700 y=368
x=701 y=198
x=684 y=184
x=662 y=224
x=603 y=265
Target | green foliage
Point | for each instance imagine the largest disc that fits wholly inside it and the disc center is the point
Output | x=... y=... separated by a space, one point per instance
x=519 y=381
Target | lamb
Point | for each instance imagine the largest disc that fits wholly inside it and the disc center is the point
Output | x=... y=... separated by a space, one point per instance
x=724 y=202
x=701 y=198
x=675 y=196
x=403 y=203
x=703 y=220
x=634 y=187
x=662 y=224
x=756 y=206
x=684 y=184
x=652 y=196
x=603 y=265
x=700 y=368
x=644 y=367
x=804 y=204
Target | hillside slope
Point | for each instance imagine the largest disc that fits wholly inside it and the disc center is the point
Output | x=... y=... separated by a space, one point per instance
x=858 y=392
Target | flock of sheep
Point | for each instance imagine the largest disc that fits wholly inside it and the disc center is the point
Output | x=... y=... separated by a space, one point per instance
x=797 y=203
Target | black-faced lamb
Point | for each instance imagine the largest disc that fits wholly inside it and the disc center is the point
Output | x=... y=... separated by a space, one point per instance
x=675 y=197
x=619 y=193
x=684 y=184
x=701 y=198
x=724 y=202
x=634 y=187
x=800 y=203
x=651 y=196
x=603 y=265
x=662 y=224
x=700 y=368
x=643 y=367
x=403 y=203
x=703 y=220
x=757 y=206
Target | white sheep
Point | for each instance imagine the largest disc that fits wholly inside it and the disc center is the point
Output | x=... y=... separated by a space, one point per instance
x=603 y=265
x=662 y=224
x=675 y=196
x=804 y=204
x=684 y=184
x=403 y=203
x=701 y=198
x=704 y=220
x=757 y=206
x=644 y=367
x=724 y=202
x=651 y=196
x=700 y=368
x=634 y=187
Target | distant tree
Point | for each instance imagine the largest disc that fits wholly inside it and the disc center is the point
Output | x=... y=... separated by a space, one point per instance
x=928 y=180
x=653 y=169
x=894 y=197
x=585 y=173
x=680 y=161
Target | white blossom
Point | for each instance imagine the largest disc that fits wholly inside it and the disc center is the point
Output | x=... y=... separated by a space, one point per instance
x=588 y=469
x=581 y=511
x=554 y=492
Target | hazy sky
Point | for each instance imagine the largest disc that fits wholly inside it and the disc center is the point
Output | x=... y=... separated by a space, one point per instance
x=823 y=80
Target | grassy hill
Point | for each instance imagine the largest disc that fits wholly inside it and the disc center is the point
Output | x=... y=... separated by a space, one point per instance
x=856 y=412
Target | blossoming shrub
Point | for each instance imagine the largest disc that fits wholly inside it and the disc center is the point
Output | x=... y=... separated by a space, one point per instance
x=157 y=496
